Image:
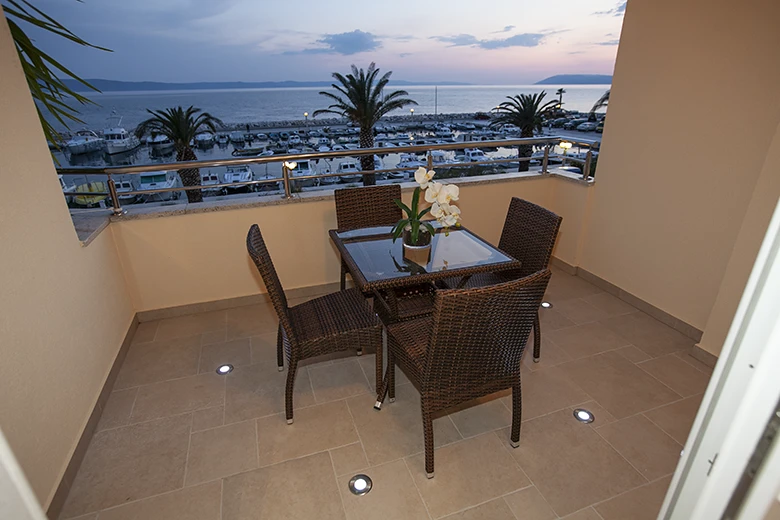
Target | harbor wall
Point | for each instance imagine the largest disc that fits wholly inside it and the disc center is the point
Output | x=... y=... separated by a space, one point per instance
x=64 y=309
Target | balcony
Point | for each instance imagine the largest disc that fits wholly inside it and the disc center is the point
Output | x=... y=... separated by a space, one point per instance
x=110 y=332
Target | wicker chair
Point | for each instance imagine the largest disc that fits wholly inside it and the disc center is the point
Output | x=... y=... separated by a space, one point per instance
x=470 y=347
x=529 y=236
x=370 y=206
x=332 y=323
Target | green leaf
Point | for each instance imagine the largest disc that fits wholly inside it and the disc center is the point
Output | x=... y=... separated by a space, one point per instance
x=415 y=201
x=424 y=212
x=429 y=227
x=399 y=228
x=403 y=207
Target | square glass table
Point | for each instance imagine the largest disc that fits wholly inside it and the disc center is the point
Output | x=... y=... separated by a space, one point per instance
x=376 y=262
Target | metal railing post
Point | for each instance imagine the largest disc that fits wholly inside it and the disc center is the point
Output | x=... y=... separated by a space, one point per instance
x=116 y=205
x=586 y=167
x=545 y=159
x=430 y=161
x=286 y=181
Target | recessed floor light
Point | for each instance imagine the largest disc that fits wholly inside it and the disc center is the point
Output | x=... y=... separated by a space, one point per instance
x=583 y=415
x=224 y=369
x=546 y=305
x=360 y=484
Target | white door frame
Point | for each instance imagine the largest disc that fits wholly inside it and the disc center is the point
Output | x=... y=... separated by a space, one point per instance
x=742 y=396
x=17 y=499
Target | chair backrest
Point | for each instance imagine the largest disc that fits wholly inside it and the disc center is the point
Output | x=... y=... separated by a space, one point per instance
x=529 y=235
x=370 y=206
x=479 y=336
x=257 y=249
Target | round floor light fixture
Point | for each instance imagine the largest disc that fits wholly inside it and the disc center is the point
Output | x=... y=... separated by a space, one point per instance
x=224 y=369
x=360 y=484
x=546 y=305
x=583 y=415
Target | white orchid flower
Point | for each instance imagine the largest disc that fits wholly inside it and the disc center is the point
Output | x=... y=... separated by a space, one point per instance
x=433 y=191
x=438 y=211
x=423 y=176
x=446 y=194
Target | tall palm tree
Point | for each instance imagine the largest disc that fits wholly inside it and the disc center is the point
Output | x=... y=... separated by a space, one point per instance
x=526 y=111
x=180 y=126
x=560 y=92
x=603 y=102
x=362 y=102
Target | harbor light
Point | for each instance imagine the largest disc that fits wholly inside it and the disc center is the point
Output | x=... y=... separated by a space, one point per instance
x=565 y=145
x=306 y=115
x=411 y=110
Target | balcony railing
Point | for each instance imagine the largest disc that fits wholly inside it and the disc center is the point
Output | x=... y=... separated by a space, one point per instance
x=289 y=161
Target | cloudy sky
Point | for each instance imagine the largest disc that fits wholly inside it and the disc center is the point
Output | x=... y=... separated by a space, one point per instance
x=481 y=42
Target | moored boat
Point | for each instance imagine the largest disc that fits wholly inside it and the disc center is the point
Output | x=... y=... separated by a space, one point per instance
x=116 y=137
x=85 y=141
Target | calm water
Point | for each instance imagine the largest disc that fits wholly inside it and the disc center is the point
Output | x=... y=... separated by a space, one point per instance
x=253 y=105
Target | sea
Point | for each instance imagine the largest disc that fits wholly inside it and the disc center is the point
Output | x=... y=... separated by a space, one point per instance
x=247 y=106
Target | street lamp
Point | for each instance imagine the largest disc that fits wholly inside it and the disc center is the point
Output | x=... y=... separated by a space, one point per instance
x=411 y=110
x=306 y=118
x=565 y=145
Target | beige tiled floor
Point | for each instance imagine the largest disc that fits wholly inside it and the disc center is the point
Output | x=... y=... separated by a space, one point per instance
x=177 y=440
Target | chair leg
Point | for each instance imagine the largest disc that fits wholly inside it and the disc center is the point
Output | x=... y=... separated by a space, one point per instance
x=427 y=418
x=391 y=376
x=343 y=276
x=378 y=363
x=517 y=415
x=288 y=393
x=537 y=338
x=280 y=348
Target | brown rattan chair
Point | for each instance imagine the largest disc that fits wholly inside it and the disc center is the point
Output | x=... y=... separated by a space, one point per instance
x=370 y=206
x=470 y=347
x=529 y=236
x=332 y=323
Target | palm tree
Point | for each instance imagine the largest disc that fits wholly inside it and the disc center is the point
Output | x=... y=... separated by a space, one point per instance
x=181 y=126
x=362 y=102
x=526 y=111
x=603 y=102
x=560 y=92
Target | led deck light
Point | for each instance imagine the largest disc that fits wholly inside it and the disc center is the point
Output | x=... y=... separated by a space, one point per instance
x=360 y=484
x=583 y=415
x=224 y=369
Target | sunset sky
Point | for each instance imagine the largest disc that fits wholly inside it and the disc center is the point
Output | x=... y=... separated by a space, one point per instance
x=488 y=42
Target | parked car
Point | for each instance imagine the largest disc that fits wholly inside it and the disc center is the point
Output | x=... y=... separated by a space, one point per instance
x=587 y=126
x=558 y=123
x=574 y=123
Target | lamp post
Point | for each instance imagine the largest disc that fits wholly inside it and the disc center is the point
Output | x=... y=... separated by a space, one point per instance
x=411 y=111
x=306 y=118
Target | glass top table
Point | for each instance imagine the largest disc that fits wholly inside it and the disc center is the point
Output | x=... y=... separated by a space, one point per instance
x=376 y=262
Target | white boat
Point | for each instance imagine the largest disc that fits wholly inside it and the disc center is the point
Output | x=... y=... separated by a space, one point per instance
x=338 y=147
x=445 y=132
x=209 y=178
x=323 y=141
x=122 y=187
x=157 y=181
x=261 y=137
x=349 y=171
x=160 y=144
x=474 y=154
x=294 y=139
x=379 y=165
x=66 y=189
x=439 y=158
x=323 y=149
x=266 y=153
x=204 y=139
x=85 y=141
x=407 y=160
x=222 y=139
x=303 y=168
x=237 y=174
x=117 y=139
x=236 y=137
x=351 y=146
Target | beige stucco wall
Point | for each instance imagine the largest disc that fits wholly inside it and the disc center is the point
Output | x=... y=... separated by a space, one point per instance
x=751 y=234
x=693 y=109
x=202 y=257
x=64 y=308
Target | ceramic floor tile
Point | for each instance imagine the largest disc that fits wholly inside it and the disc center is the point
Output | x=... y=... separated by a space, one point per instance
x=551 y=319
x=482 y=415
x=570 y=464
x=565 y=286
x=190 y=324
x=178 y=396
x=368 y=364
x=584 y=514
x=117 y=409
x=159 y=361
x=349 y=459
x=467 y=473
x=611 y=305
x=695 y=363
x=196 y=503
x=647 y=333
x=130 y=463
x=221 y=451
x=263 y=347
x=550 y=354
x=618 y=385
x=529 y=504
x=317 y=428
x=586 y=340
x=648 y=448
x=393 y=496
x=207 y=418
x=678 y=375
x=677 y=418
x=600 y=415
x=494 y=510
x=633 y=354
x=92 y=516
x=251 y=320
x=642 y=503
x=338 y=380
x=580 y=311
x=215 y=336
x=274 y=492
x=234 y=352
x=546 y=391
x=145 y=332
x=396 y=431
x=258 y=390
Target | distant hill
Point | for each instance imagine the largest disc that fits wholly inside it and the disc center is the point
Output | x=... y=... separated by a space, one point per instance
x=577 y=79
x=109 y=85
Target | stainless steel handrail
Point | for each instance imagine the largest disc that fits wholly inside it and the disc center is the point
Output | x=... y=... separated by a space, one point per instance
x=287 y=175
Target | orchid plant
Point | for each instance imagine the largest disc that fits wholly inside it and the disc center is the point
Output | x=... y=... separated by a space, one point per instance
x=440 y=197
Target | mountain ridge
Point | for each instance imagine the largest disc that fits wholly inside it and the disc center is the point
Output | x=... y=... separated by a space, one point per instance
x=577 y=79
